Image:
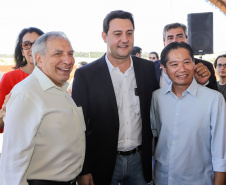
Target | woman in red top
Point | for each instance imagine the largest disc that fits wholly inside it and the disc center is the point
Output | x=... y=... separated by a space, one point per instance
x=24 y=63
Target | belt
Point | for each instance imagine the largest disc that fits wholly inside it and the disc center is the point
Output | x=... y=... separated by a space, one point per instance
x=47 y=182
x=135 y=150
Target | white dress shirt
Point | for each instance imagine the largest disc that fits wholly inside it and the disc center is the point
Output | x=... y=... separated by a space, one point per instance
x=128 y=104
x=44 y=134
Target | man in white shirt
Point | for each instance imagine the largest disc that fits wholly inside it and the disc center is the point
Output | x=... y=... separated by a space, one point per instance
x=44 y=135
x=115 y=93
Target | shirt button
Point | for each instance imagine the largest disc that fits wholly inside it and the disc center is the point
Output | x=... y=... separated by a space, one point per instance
x=177 y=114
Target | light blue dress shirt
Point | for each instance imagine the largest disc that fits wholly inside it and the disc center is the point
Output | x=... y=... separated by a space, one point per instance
x=192 y=135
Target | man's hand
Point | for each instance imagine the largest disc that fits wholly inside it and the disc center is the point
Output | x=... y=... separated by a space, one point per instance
x=202 y=73
x=85 y=180
x=220 y=178
x=3 y=110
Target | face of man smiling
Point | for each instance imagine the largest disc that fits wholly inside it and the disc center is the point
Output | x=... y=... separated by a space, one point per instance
x=58 y=62
x=119 y=39
x=179 y=68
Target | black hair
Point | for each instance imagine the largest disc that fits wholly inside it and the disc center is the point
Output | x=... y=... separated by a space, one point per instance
x=173 y=46
x=120 y=14
x=18 y=50
x=155 y=53
x=136 y=50
x=83 y=63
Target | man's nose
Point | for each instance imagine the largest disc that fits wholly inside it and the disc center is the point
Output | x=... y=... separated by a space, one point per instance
x=67 y=59
x=124 y=38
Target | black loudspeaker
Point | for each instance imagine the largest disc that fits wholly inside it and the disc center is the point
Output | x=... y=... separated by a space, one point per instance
x=200 y=32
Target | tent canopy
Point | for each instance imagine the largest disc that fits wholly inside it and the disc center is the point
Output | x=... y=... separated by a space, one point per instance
x=221 y=4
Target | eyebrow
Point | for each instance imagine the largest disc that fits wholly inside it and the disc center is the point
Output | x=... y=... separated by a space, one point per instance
x=190 y=59
x=121 y=31
x=180 y=34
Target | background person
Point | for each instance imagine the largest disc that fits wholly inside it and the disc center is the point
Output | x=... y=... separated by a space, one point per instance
x=153 y=56
x=44 y=136
x=176 y=32
x=220 y=65
x=24 y=63
x=137 y=51
x=80 y=64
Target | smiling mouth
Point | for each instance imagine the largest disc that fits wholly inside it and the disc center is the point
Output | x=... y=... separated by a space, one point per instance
x=64 y=69
x=182 y=76
x=123 y=46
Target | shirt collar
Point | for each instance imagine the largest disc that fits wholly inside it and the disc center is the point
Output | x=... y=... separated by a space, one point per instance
x=45 y=82
x=192 y=89
x=111 y=67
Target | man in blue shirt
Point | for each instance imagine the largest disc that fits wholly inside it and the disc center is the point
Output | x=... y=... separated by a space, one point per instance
x=190 y=122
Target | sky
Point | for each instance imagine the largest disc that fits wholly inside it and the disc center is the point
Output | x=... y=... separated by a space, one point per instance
x=81 y=20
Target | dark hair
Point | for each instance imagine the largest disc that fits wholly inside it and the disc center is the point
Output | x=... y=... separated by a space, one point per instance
x=174 y=25
x=83 y=63
x=173 y=46
x=18 y=50
x=155 y=53
x=120 y=14
x=136 y=50
x=215 y=62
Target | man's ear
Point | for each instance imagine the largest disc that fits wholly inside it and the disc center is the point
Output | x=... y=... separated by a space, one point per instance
x=164 y=68
x=38 y=59
x=104 y=36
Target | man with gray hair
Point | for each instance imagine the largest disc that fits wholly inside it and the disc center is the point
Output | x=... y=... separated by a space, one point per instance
x=44 y=138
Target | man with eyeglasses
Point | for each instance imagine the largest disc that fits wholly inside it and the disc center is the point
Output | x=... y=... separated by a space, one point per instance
x=177 y=32
x=153 y=56
x=220 y=65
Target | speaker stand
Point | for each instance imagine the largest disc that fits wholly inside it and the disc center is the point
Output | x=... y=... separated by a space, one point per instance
x=200 y=56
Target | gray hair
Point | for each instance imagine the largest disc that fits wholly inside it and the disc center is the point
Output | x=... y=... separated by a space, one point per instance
x=174 y=25
x=40 y=44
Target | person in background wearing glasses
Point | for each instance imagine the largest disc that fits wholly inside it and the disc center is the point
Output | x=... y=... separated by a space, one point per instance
x=153 y=56
x=220 y=65
x=24 y=64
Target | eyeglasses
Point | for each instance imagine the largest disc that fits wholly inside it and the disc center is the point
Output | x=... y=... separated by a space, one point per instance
x=27 y=45
x=220 y=65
